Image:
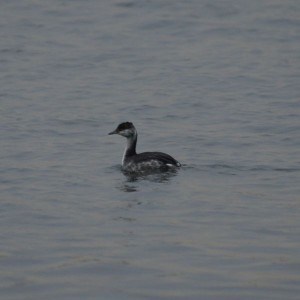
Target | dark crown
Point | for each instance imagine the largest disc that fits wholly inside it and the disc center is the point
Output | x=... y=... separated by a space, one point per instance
x=124 y=126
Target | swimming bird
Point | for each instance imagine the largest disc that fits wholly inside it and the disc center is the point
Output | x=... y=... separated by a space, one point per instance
x=134 y=162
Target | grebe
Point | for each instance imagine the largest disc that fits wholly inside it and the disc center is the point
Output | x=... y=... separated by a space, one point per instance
x=132 y=161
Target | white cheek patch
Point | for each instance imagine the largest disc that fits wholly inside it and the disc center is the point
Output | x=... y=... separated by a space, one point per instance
x=126 y=132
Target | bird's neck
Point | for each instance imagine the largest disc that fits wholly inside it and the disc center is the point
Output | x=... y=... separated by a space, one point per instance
x=130 y=147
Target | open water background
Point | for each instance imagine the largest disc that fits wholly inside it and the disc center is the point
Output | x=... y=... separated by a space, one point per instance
x=216 y=84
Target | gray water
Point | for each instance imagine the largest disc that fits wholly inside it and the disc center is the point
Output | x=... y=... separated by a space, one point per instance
x=213 y=83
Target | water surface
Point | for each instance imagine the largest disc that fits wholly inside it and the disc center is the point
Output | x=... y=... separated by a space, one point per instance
x=214 y=84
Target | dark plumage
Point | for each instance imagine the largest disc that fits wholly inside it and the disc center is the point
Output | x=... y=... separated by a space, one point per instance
x=159 y=156
x=147 y=160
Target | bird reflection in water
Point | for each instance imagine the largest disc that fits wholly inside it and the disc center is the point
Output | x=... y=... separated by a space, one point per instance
x=157 y=177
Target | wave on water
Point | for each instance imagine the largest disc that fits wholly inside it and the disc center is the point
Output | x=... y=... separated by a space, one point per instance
x=252 y=168
x=222 y=167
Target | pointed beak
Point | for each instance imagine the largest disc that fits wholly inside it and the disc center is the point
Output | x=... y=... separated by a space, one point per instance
x=113 y=132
